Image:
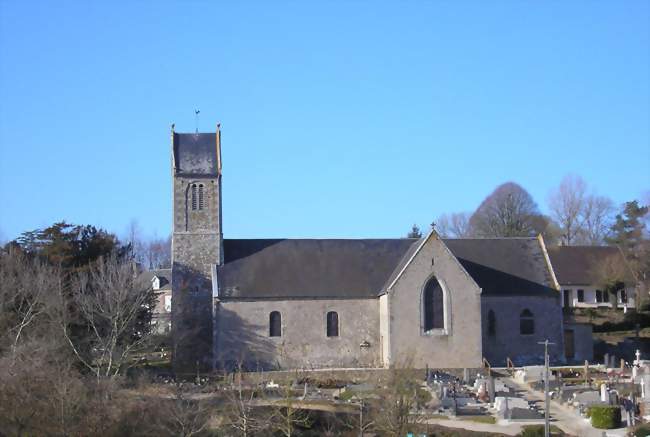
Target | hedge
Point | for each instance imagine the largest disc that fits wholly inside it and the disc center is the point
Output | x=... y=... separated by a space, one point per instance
x=605 y=416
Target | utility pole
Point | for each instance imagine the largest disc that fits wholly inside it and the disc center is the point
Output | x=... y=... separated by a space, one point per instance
x=547 y=398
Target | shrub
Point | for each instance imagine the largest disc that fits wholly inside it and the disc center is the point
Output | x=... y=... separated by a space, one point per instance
x=605 y=416
x=642 y=431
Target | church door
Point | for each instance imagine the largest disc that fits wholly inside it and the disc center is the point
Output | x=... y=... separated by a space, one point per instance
x=569 y=344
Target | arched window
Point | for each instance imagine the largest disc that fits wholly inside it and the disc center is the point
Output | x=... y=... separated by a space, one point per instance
x=433 y=306
x=526 y=323
x=200 y=196
x=193 y=195
x=332 y=324
x=492 y=324
x=275 y=324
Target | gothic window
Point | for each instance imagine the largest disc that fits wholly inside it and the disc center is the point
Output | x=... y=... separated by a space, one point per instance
x=200 y=196
x=193 y=195
x=275 y=324
x=492 y=324
x=433 y=306
x=526 y=323
x=332 y=324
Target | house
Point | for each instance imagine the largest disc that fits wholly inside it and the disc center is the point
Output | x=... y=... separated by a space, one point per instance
x=333 y=303
x=160 y=282
x=584 y=273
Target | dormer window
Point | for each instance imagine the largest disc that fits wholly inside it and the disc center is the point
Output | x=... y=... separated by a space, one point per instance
x=155 y=283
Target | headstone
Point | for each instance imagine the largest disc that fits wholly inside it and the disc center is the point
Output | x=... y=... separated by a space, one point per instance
x=604 y=393
x=645 y=387
x=606 y=360
x=466 y=375
x=492 y=389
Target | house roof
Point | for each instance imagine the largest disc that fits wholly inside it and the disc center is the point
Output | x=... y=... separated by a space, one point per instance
x=577 y=265
x=505 y=266
x=195 y=154
x=330 y=268
x=165 y=276
x=297 y=268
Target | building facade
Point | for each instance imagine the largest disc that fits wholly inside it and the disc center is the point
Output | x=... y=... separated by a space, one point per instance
x=342 y=303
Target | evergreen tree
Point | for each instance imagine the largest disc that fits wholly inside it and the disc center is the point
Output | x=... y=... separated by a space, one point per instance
x=414 y=232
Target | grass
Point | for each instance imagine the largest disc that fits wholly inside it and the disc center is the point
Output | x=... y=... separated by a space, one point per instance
x=480 y=419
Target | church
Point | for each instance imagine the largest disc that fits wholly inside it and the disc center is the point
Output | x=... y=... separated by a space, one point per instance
x=349 y=303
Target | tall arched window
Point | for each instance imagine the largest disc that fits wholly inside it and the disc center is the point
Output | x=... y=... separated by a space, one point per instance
x=275 y=324
x=193 y=196
x=200 y=196
x=492 y=324
x=332 y=324
x=433 y=306
x=526 y=323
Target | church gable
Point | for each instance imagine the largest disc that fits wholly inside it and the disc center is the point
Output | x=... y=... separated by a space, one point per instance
x=434 y=310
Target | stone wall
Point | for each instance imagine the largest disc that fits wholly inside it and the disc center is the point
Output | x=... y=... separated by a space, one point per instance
x=508 y=342
x=459 y=345
x=243 y=334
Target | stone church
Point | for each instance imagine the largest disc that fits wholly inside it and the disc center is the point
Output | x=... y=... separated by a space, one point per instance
x=347 y=303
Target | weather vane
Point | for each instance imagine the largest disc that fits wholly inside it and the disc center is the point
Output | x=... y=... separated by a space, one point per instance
x=196 y=119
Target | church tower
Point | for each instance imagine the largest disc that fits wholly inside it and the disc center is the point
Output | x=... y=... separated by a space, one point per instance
x=197 y=245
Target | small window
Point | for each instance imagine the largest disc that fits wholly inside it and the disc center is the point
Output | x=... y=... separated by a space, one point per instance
x=623 y=295
x=275 y=324
x=433 y=306
x=332 y=324
x=201 y=196
x=606 y=296
x=581 y=295
x=193 y=195
x=599 y=296
x=492 y=324
x=526 y=323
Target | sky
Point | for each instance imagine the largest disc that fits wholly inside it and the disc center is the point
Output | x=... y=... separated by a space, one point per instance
x=339 y=119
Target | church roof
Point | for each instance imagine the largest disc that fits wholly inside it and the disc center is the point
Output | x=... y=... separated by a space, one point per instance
x=505 y=266
x=331 y=268
x=196 y=154
x=576 y=265
x=297 y=268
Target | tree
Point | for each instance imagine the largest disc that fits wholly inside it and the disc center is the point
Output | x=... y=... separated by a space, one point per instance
x=509 y=211
x=241 y=412
x=398 y=398
x=115 y=309
x=414 y=232
x=629 y=228
x=454 y=225
x=582 y=217
x=567 y=205
x=287 y=415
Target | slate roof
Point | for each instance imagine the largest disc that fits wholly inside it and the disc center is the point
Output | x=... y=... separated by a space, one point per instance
x=165 y=276
x=195 y=154
x=505 y=266
x=576 y=265
x=296 y=268
x=330 y=268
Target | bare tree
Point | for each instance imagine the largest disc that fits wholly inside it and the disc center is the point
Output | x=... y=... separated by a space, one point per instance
x=287 y=415
x=182 y=415
x=583 y=217
x=508 y=212
x=394 y=412
x=157 y=253
x=454 y=225
x=567 y=205
x=115 y=308
x=598 y=217
x=24 y=283
x=241 y=410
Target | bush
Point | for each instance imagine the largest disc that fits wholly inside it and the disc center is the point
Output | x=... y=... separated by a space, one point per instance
x=538 y=431
x=605 y=416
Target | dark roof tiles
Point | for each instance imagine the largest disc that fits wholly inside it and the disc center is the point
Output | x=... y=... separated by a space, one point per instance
x=577 y=265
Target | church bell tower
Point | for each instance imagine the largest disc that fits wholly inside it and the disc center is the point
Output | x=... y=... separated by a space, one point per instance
x=197 y=245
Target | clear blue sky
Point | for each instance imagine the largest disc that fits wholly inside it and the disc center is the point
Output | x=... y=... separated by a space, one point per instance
x=340 y=119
